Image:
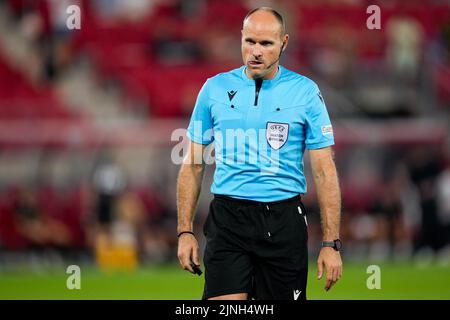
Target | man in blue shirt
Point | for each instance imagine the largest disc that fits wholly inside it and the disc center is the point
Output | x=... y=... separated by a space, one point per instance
x=260 y=117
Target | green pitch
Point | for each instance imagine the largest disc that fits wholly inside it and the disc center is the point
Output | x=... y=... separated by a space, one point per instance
x=398 y=281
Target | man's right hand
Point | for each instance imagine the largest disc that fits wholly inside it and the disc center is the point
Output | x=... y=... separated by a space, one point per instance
x=188 y=251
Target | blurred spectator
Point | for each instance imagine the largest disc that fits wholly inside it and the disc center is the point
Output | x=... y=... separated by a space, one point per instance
x=443 y=204
x=131 y=10
x=404 y=51
x=43 y=23
x=121 y=249
x=57 y=44
x=424 y=169
x=445 y=39
x=114 y=237
x=157 y=239
x=392 y=232
x=37 y=227
x=109 y=184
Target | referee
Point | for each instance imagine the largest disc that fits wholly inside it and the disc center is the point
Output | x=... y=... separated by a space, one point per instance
x=261 y=117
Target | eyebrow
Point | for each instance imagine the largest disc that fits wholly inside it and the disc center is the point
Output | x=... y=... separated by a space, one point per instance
x=262 y=41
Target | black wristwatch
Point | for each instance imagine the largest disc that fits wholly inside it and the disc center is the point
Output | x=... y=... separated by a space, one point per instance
x=335 y=244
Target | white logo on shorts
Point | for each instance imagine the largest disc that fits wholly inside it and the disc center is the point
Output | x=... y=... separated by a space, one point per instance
x=296 y=294
x=277 y=134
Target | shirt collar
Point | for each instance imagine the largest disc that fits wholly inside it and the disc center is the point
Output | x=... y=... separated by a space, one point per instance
x=269 y=81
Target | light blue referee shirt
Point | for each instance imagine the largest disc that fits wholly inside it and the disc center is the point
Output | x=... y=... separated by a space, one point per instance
x=260 y=129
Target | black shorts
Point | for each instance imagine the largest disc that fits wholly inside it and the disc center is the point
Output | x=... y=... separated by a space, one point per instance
x=257 y=248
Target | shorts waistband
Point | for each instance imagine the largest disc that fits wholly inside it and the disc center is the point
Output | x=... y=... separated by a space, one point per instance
x=256 y=203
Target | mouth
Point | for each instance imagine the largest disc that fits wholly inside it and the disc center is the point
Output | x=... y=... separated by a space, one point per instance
x=255 y=63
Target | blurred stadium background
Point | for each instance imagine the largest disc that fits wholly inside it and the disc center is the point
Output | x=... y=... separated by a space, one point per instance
x=86 y=119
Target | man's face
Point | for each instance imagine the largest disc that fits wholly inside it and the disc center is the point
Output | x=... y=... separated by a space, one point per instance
x=261 y=45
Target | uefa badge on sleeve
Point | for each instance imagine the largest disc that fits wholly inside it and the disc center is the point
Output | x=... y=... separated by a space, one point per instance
x=277 y=134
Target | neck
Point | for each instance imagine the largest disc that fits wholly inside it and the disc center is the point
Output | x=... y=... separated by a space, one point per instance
x=268 y=76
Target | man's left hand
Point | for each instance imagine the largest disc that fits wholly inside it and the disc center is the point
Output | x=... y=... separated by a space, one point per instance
x=330 y=261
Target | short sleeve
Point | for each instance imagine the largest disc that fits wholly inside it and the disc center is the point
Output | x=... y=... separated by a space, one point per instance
x=319 y=131
x=201 y=124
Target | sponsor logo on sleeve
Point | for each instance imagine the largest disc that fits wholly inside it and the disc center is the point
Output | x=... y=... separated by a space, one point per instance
x=327 y=130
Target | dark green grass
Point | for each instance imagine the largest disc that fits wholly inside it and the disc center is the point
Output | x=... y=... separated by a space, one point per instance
x=398 y=281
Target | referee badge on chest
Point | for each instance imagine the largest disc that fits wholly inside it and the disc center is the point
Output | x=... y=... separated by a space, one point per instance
x=277 y=134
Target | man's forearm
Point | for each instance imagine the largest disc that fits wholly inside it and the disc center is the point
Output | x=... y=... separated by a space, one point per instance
x=329 y=196
x=188 y=191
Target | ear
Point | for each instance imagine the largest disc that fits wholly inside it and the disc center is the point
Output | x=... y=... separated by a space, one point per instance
x=285 y=42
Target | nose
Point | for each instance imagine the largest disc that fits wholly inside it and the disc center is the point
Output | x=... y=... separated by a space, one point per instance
x=256 y=51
